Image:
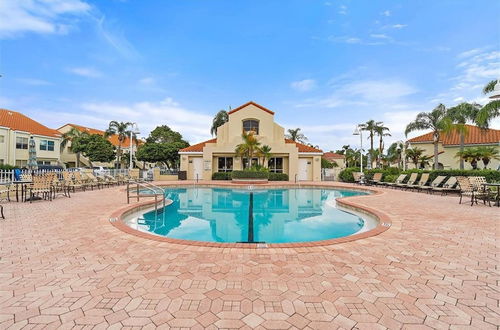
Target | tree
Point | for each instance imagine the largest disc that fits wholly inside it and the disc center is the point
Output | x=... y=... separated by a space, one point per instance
x=380 y=129
x=487 y=154
x=295 y=135
x=459 y=116
x=98 y=148
x=371 y=126
x=490 y=110
x=265 y=153
x=470 y=155
x=121 y=129
x=162 y=146
x=74 y=136
x=437 y=121
x=220 y=119
x=414 y=154
x=249 y=146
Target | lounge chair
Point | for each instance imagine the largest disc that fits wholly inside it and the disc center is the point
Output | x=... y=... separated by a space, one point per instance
x=411 y=181
x=424 y=178
x=110 y=179
x=449 y=186
x=434 y=184
x=358 y=176
x=377 y=179
x=467 y=188
x=399 y=180
x=69 y=182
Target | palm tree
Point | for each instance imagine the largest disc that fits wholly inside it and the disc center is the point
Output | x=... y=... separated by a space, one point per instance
x=295 y=135
x=490 y=110
x=487 y=154
x=249 y=146
x=469 y=155
x=220 y=119
x=415 y=155
x=120 y=129
x=380 y=129
x=459 y=116
x=437 y=121
x=73 y=135
x=265 y=153
x=370 y=126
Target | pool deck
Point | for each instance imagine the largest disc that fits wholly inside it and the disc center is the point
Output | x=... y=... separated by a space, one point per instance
x=64 y=265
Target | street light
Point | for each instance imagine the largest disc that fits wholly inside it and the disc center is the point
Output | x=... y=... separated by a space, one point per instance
x=358 y=131
x=134 y=130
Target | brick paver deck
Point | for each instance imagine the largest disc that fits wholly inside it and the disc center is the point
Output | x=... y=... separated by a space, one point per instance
x=63 y=265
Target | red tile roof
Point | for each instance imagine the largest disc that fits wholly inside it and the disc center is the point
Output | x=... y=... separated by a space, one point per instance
x=251 y=103
x=199 y=147
x=19 y=122
x=475 y=135
x=333 y=155
x=112 y=138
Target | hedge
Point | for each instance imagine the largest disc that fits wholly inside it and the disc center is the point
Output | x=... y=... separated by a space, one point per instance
x=249 y=175
x=346 y=174
x=278 y=177
x=7 y=167
x=221 y=176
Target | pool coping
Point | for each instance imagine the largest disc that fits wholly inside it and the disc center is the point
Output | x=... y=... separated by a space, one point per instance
x=384 y=222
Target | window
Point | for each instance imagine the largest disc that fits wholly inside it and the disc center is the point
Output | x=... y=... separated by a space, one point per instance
x=21 y=142
x=225 y=164
x=47 y=145
x=255 y=161
x=251 y=125
x=43 y=162
x=1 y=162
x=2 y=139
x=275 y=165
x=21 y=163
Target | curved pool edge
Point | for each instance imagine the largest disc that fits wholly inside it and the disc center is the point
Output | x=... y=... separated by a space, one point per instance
x=117 y=219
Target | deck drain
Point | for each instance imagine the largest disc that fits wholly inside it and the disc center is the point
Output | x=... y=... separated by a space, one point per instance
x=385 y=224
x=112 y=219
x=262 y=246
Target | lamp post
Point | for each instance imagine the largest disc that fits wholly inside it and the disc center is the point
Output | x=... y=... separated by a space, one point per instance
x=402 y=146
x=358 y=131
x=134 y=130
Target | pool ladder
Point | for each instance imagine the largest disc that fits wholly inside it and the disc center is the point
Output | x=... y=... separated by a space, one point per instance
x=153 y=191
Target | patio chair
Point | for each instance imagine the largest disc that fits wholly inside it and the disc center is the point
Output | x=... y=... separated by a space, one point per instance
x=434 y=184
x=467 y=189
x=79 y=179
x=89 y=181
x=477 y=182
x=92 y=178
x=110 y=179
x=424 y=178
x=449 y=186
x=70 y=183
x=377 y=179
x=1 y=212
x=411 y=181
x=5 y=192
x=399 y=180
x=41 y=186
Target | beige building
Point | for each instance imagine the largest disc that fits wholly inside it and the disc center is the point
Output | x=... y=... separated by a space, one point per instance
x=15 y=132
x=299 y=161
x=449 y=145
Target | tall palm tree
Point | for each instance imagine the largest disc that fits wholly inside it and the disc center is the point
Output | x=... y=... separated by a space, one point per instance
x=121 y=129
x=437 y=121
x=459 y=116
x=249 y=147
x=220 y=119
x=296 y=135
x=381 y=130
x=490 y=110
x=415 y=155
x=265 y=153
x=370 y=126
x=72 y=136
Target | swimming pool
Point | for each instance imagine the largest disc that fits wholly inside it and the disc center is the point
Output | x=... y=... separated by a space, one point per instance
x=231 y=215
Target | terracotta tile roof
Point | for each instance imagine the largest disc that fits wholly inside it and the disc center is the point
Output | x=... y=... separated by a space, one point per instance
x=19 y=122
x=198 y=147
x=333 y=155
x=112 y=138
x=475 y=135
x=251 y=103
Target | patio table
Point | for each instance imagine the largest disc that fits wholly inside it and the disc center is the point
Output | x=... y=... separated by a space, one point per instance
x=498 y=191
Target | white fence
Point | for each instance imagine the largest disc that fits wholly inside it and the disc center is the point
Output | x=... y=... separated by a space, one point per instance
x=9 y=176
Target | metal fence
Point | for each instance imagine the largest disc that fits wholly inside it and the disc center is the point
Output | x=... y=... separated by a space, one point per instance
x=9 y=176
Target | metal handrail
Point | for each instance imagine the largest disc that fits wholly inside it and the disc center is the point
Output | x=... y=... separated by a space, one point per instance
x=149 y=187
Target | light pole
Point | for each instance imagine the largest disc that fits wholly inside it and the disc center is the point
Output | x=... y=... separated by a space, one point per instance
x=358 y=131
x=134 y=130
x=402 y=145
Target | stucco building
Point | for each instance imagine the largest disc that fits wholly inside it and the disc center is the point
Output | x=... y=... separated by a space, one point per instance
x=15 y=132
x=299 y=161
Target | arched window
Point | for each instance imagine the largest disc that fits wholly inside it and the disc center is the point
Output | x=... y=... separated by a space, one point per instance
x=251 y=125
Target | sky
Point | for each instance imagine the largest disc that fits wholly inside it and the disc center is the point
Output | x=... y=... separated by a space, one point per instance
x=323 y=66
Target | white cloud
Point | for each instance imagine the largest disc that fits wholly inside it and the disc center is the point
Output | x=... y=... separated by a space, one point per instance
x=343 y=10
x=111 y=33
x=303 y=85
x=34 y=81
x=147 y=81
x=86 y=72
x=399 y=26
x=386 y=13
x=380 y=36
x=39 y=16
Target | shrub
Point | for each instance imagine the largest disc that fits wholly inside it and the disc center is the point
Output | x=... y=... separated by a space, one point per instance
x=278 y=177
x=7 y=167
x=390 y=177
x=221 y=176
x=246 y=174
x=346 y=174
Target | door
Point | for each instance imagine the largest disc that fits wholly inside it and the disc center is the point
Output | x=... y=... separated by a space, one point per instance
x=197 y=168
x=303 y=173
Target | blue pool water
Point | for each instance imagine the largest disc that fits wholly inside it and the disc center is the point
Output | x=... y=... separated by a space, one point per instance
x=257 y=215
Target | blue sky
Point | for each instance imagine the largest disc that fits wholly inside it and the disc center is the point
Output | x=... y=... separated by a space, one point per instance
x=323 y=66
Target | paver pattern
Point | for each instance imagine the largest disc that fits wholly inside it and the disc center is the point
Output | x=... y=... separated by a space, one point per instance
x=63 y=265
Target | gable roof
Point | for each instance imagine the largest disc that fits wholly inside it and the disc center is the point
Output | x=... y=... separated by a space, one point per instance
x=475 y=135
x=199 y=147
x=333 y=155
x=112 y=138
x=251 y=103
x=19 y=122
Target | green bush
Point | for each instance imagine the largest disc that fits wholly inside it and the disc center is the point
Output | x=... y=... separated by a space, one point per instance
x=6 y=167
x=278 y=177
x=346 y=174
x=221 y=176
x=390 y=177
x=246 y=174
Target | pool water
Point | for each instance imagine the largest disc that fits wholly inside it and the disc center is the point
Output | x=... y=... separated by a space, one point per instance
x=251 y=215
